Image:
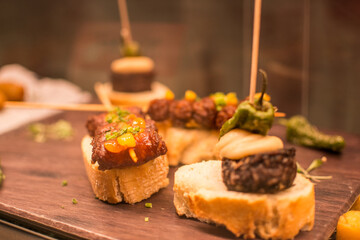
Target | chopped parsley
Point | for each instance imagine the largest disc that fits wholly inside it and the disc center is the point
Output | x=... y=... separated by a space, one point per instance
x=60 y=130
x=148 y=205
x=74 y=201
x=118 y=133
x=219 y=99
x=64 y=183
x=117 y=115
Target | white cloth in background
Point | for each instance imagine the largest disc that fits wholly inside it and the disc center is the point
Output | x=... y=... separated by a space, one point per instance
x=46 y=90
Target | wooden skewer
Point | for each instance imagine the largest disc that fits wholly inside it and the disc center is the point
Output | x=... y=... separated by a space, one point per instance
x=125 y=23
x=72 y=107
x=255 y=49
x=66 y=107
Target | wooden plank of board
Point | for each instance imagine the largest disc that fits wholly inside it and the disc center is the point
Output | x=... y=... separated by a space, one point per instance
x=32 y=194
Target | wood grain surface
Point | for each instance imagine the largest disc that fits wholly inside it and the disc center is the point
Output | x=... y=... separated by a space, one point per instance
x=32 y=194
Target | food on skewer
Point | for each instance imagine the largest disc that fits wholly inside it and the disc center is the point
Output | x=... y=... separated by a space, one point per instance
x=126 y=158
x=190 y=126
x=199 y=192
x=255 y=189
x=132 y=75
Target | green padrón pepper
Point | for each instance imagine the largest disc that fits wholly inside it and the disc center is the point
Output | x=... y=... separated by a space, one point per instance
x=250 y=117
x=255 y=117
x=301 y=132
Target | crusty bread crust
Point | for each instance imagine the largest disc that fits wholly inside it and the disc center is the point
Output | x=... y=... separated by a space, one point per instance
x=188 y=146
x=200 y=193
x=131 y=184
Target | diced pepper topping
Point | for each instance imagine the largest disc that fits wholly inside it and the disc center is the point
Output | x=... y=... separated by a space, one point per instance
x=169 y=95
x=221 y=100
x=190 y=95
x=231 y=99
x=113 y=146
x=139 y=122
x=133 y=155
x=127 y=140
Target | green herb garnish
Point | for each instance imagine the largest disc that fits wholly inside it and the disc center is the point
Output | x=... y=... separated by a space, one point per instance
x=118 y=133
x=148 y=205
x=221 y=100
x=64 y=183
x=316 y=163
x=60 y=130
x=74 y=201
x=117 y=115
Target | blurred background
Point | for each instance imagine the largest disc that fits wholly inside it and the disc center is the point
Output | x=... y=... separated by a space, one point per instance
x=310 y=49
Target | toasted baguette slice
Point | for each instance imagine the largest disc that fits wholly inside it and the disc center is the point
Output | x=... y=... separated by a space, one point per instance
x=132 y=184
x=188 y=146
x=199 y=192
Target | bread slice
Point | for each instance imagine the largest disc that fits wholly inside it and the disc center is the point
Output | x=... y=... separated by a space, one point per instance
x=131 y=184
x=188 y=146
x=199 y=192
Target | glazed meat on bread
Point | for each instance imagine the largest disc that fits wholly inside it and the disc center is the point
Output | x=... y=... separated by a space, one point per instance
x=149 y=145
x=125 y=159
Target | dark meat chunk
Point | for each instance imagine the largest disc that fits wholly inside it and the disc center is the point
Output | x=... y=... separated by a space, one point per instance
x=205 y=112
x=159 y=109
x=261 y=173
x=224 y=114
x=99 y=120
x=180 y=112
x=94 y=122
x=149 y=145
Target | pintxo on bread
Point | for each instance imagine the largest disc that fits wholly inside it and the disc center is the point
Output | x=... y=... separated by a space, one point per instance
x=254 y=190
x=191 y=125
x=124 y=156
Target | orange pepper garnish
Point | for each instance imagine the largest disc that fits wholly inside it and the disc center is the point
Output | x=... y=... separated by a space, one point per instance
x=133 y=155
x=190 y=95
x=169 y=95
x=113 y=146
x=139 y=122
x=127 y=140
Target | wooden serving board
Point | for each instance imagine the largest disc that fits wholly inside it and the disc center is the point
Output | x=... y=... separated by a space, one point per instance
x=32 y=194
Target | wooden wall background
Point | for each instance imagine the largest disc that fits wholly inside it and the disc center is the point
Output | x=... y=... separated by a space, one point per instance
x=310 y=49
